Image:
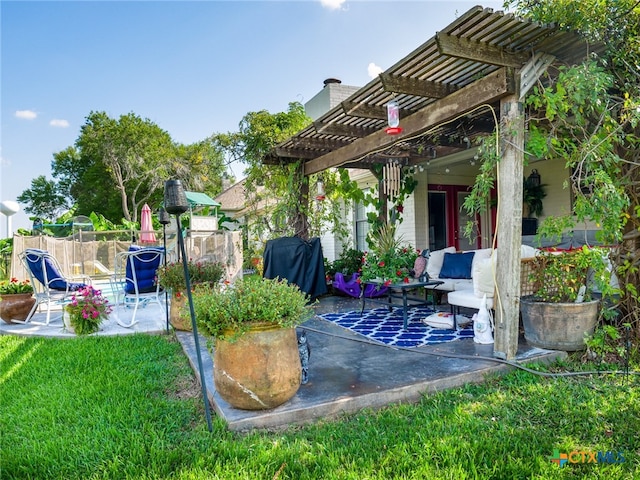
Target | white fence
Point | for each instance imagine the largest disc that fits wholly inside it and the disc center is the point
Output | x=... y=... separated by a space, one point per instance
x=93 y=253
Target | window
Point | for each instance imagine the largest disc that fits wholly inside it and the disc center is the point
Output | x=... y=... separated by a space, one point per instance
x=361 y=226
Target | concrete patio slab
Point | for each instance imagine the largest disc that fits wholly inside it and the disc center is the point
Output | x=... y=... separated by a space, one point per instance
x=150 y=319
x=348 y=373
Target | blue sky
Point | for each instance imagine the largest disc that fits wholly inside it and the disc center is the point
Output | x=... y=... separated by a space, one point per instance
x=193 y=68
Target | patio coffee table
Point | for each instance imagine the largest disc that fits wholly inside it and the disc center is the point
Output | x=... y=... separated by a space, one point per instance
x=401 y=291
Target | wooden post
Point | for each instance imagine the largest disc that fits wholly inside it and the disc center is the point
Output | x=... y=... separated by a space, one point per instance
x=509 y=228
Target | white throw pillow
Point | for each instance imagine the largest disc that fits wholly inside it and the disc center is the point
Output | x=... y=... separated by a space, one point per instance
x=479 y=256
x=483 y=278
x=445 y=320
x=436 y=259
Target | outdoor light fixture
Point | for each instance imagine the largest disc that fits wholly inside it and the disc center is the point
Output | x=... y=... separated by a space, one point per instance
x=163 y=217
x=534 y=178
x=175 y=202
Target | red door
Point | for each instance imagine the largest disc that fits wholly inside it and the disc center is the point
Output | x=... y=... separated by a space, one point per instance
x=448 y=219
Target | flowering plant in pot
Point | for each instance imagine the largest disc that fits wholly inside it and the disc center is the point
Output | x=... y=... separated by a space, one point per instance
x=87 y=310
x=388 y=260
x=16 y=300
x=564 y=308
x=256 y=358
x=15 y=287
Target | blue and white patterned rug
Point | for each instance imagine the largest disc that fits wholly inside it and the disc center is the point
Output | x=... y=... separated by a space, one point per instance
x=383 y=326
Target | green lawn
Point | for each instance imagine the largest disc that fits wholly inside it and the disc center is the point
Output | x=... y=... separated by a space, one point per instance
x=128 y=407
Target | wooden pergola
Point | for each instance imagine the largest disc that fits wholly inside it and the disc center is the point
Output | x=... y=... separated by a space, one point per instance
x=453 y=88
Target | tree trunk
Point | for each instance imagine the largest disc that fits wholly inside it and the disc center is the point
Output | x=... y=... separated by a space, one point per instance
x=300 y=221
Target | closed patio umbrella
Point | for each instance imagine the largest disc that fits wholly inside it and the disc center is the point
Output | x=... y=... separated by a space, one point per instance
x=147 y=235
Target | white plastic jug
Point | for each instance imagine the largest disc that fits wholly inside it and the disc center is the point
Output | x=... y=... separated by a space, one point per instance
x=482 y=324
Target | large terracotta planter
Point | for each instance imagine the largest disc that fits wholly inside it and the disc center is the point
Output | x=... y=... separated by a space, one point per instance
x=16 y=306
x=260 y=370
x=558 y=326
x=179 y=316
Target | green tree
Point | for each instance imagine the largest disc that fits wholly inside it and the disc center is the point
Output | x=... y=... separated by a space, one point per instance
x=118 y=165
x=133 y=151
x=280 y=191
x=44 y=200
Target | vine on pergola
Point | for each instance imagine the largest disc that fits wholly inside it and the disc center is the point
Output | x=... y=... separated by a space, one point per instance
x=588 y=116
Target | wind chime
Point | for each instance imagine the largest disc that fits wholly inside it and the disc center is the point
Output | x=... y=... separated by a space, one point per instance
x=391 y=177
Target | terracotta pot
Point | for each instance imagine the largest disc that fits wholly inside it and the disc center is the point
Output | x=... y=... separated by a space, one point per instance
x=558 y=326
x=179 y=313
x=260 y=370
x=16 y=306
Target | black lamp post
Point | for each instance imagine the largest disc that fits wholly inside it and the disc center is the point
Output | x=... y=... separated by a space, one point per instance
x=175 y=203
x=165 y=219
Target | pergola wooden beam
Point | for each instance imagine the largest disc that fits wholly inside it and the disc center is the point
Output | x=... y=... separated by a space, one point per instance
x=478 y=51
x=320 y=143
x=486 y=90
x=343 y=130
x=413 y=86
x=298 y=153
x=364 y=110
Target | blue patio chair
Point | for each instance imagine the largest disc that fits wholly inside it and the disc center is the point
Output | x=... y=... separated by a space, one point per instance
x=50 y=285
x=134 y=281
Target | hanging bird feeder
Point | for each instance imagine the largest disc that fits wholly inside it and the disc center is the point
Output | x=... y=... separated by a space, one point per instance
x=321 y=194
x=393 y=118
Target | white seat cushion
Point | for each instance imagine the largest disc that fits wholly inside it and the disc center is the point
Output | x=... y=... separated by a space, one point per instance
x=466 y=298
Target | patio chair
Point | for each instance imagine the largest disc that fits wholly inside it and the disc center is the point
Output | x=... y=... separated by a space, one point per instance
x=50 y=285
x=134 y=281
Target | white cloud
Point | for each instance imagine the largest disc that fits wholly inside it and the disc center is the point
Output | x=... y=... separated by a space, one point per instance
x=332 y=4
x=26 y=114
x=374 y=70
x=59 y=123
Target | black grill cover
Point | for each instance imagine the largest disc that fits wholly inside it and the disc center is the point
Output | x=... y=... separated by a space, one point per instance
x=298 y=261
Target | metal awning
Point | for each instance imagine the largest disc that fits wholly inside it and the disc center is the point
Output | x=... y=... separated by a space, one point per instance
x=197 y=199
x=446 y=90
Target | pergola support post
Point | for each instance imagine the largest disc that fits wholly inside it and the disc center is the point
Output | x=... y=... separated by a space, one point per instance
x=509 y=228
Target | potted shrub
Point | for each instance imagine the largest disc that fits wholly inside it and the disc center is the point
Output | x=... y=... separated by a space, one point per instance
x=16 y=300
x=171 y=276
x=86 y=311
x=564 y=310
x=256 y=363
